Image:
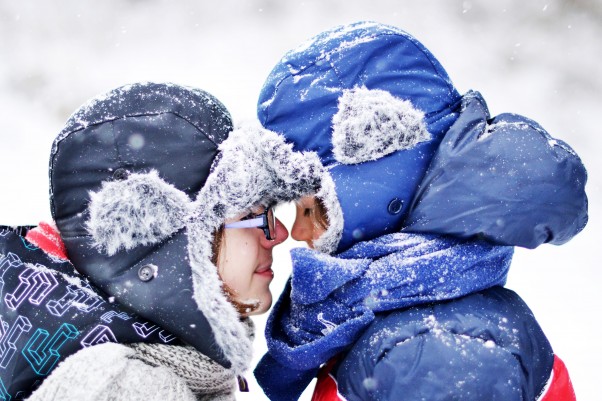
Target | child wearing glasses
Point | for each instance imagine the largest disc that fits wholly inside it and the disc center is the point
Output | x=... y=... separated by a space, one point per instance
x=423 y=198
x=160 y=250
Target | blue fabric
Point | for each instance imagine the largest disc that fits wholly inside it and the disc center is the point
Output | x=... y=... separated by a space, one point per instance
x=505 y=179
x=500 y=352
x=329 y=301
x=301 y=94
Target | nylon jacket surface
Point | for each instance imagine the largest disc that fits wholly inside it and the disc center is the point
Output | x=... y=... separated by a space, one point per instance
x=503 y=178
x=48 y=311
x=106 y=140
x=484 y=346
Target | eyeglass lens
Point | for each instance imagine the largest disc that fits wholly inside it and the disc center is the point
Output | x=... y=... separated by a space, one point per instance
x=271 y=224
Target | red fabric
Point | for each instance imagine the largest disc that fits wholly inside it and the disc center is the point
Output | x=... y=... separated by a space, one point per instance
x=46 y=237
x=561 y=388
x=326 y=386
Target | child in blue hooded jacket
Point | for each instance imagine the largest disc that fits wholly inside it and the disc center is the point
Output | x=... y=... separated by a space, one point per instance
x=423 y=197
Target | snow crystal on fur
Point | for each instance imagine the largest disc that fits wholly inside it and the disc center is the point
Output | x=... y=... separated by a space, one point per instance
x=371 y=124
x=140 y=210
x=255 y=167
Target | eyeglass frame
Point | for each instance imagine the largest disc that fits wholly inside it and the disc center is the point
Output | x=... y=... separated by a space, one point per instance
x=260 y=220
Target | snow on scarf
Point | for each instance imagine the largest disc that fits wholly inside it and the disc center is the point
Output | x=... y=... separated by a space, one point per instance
x=329 y=301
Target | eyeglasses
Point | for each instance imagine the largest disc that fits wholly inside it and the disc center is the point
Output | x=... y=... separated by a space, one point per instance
x=265 y=221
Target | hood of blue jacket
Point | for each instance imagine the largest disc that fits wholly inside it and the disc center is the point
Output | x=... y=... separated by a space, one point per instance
x=503 y=178
x=301 y=95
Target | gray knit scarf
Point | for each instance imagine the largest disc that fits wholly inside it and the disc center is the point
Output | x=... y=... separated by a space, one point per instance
x=207 y=379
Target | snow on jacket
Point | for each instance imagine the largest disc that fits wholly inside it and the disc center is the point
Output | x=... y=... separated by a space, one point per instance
x=332 y=300
x=484 y=346
x=356 y=309
x=49 y=311
x=140 y=180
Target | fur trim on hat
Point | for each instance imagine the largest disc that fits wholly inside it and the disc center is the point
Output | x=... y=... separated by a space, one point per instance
x=256 y=167
x=371 y=123
x=140 y=210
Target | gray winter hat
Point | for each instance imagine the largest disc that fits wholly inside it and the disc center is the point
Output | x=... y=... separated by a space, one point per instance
x=141 y=178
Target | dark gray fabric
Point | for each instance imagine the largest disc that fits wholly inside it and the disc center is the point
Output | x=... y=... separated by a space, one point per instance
x=168 y=128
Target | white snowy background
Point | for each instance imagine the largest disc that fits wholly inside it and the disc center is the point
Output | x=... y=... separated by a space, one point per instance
x=538 y=58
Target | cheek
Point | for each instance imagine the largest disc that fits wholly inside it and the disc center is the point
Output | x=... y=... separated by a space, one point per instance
x=238 y=259
x=317 y=230
x=302 y=227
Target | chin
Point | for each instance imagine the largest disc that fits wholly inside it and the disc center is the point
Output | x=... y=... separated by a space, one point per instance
x=264 y=305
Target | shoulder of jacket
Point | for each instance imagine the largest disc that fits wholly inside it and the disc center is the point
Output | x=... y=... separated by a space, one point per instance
x=450 y=342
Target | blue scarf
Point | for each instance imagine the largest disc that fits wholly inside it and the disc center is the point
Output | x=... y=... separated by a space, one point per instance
x=329 y=301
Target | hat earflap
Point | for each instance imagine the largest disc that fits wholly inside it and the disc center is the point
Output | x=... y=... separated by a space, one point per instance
x=255 y=166
x=372 y=123
x=141 y=209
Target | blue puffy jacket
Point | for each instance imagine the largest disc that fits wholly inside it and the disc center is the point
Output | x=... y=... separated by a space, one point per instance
x=471 y=348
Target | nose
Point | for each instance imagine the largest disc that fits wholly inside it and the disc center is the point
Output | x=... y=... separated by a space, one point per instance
x=281 y=235
x=302 y=229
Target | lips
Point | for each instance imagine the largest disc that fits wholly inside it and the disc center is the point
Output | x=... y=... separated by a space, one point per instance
x=265 y=270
